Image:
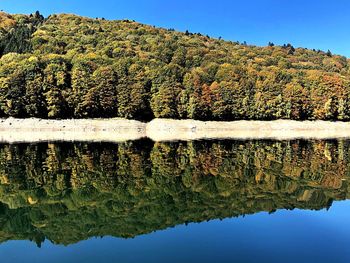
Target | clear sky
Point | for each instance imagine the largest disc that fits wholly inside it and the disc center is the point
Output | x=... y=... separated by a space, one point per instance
x=319 y=24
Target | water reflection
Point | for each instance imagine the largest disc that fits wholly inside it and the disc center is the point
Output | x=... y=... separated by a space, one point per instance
x=69 y=192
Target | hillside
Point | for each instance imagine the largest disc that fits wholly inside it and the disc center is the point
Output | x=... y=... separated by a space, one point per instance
x=66 y=66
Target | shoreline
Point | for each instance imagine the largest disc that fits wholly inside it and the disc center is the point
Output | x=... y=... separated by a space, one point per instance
x=118 y=130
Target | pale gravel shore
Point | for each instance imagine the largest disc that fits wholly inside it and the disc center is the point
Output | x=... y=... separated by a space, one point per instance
x=118 y=130
x=36 y=130
x=168 y=130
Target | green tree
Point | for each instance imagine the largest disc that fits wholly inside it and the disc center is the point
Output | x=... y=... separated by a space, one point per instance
x=13 y=94
x=105 y=82
x=56 y=87
x=164 y=101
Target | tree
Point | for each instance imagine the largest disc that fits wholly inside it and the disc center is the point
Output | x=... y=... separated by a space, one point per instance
x=105 y=80
x=56 y=87
x=82 y=82
x=134 y=101
x=13 y=94
x=164 y=101
x=35 y=104
x=297 y=101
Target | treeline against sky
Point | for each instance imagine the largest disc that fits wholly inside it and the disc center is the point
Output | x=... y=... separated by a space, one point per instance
x=69 y=192
x=66 y=66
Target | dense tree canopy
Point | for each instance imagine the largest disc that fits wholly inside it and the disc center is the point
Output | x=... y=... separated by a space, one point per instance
x=66 y=66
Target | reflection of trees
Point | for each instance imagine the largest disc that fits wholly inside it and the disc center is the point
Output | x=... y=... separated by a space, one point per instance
x=69 y=192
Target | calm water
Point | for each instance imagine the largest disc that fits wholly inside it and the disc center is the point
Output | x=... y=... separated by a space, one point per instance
x=205 y=201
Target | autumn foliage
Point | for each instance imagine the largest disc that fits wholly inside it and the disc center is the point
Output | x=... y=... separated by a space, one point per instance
x=68 y=66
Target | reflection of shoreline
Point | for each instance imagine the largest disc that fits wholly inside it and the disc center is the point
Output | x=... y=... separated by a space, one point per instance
x=117 y=130
x=69 y=192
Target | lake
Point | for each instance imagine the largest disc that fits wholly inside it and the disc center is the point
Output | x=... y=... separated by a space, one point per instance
x=196 y=201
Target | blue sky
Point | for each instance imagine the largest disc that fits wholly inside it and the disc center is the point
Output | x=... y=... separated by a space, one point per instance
x=318 y=24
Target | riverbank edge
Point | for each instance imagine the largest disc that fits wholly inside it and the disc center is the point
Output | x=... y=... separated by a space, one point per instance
x=117 y=130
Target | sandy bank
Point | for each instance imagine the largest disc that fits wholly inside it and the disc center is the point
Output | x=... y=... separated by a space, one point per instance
x=116 y=130
x=163 y=130
x=36 y=130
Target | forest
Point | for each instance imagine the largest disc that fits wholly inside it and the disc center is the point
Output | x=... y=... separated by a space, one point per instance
x=67 y=66
x=69 y=192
